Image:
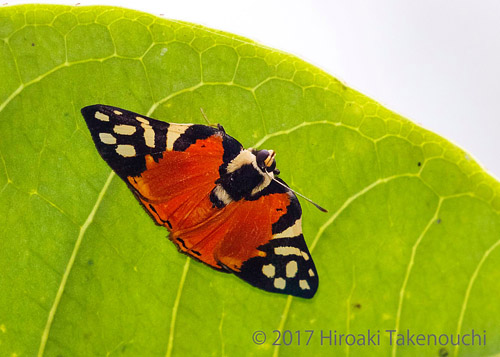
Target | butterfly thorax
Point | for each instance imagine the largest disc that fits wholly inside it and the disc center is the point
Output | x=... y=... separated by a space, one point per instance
x=244 y=177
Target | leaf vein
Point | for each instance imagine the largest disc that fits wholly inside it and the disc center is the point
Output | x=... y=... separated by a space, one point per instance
x=469 y=288
x=348 y=302
x=284 y=316
x=409 y=267
x=175 y=308
x=43 y=75
x=69 y=266
x=307 y=123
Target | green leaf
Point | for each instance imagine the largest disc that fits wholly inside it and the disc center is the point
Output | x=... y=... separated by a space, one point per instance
x=410 y=243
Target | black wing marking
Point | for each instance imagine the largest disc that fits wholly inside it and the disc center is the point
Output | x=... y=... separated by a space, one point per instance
x=287 y=268
x=124 y=138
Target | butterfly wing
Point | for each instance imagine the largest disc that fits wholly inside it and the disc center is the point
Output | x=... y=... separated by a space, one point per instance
x=171 y=168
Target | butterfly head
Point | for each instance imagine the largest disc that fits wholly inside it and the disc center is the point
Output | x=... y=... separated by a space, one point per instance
x=265 y=160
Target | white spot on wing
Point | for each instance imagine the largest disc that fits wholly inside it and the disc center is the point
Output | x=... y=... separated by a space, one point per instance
x=305 y=255
x=269 y=270
x=311 y=272
x=125 y=150
x=279 y=283
x=287 y=251
x=304 y=285
x=124 y=129
x=117 y=112
x=101 y=116
x=107 y=138
x=142 y=120
x=292 y=231
x=291 y=269
x=174 y=132
x=149 y=135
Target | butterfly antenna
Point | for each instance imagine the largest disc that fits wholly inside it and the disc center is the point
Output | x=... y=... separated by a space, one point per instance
x=204 y=116
x=299 y=194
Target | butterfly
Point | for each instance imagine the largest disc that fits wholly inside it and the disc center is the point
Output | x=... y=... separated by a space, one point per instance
x=222 y=204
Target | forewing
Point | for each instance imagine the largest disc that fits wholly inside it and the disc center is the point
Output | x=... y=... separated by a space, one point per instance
x=125 y=138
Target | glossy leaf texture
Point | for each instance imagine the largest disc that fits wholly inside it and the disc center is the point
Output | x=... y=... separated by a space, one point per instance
x=411 y=240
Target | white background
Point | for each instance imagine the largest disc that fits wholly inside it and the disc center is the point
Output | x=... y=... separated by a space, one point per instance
x=435 y=62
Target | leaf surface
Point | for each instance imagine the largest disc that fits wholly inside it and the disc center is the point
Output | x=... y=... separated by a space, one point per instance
x=410 y=241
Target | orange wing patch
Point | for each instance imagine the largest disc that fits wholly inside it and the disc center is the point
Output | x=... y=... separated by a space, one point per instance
x=250 y=228
x=176 y=191
x=232 y=234
x=177 y=171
